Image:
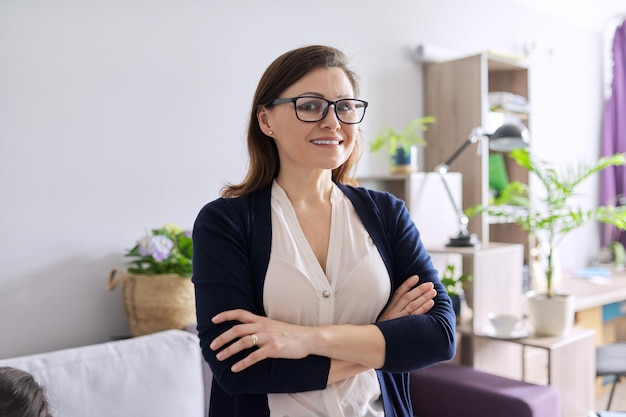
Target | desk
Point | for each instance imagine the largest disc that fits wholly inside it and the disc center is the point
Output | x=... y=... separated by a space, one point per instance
x=591 y=297
x=590 y=294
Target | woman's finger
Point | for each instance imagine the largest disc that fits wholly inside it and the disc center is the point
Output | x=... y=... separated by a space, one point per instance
x=421 y=308
x=398 y=300
x=409 y=299
x=241 y=315
x=235 y=332
x=240 y=330
x=422 y=299
x=246 y=341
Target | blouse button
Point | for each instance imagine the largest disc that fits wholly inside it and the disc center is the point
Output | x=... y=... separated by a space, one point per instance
x=326 y=294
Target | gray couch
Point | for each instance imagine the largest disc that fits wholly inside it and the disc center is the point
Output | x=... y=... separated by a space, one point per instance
x=163 y=375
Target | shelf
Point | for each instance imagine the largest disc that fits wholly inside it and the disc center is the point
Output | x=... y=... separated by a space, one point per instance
x=522 y=117
x=457 y=95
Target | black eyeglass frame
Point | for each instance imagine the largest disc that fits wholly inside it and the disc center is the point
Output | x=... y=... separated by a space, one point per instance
x=325 y=112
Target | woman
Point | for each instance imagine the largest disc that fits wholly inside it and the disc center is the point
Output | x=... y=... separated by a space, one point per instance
x=21 y=395
x=313 y=297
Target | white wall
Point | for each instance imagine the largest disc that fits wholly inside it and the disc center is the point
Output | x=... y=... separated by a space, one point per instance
x=122 y=115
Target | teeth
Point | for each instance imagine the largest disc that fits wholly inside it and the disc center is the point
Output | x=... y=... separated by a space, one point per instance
x=326 y=142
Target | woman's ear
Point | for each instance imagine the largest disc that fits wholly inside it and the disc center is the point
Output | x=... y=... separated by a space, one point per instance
x=262 y=116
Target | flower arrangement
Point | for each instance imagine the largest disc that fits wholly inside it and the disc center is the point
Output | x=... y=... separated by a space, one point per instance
x=167 y=250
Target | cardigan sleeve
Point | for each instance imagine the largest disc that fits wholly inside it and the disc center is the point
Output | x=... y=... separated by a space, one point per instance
x=412 y=342
x=224 y=279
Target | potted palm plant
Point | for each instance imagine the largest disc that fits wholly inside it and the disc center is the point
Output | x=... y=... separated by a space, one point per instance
x=403 y=145
x=548 y=218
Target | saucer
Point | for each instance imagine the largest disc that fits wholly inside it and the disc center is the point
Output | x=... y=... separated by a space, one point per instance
x=515 y=334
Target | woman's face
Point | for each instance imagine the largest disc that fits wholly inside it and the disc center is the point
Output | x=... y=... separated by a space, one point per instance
x=322 y=145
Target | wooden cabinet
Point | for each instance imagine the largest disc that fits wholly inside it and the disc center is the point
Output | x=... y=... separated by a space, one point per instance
x=456 y=93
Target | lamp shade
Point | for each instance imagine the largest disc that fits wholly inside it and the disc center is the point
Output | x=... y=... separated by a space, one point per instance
x=508 y=137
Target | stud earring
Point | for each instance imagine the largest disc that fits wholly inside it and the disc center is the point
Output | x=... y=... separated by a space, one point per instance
x=270 y=133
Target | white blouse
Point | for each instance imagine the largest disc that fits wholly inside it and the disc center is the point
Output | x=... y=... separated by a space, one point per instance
x=354 y=290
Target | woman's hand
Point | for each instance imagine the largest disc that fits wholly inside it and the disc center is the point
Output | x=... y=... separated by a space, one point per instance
x=410 y=299
x=273 y=339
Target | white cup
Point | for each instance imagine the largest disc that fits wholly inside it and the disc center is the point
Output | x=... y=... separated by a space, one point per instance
x=504 y=324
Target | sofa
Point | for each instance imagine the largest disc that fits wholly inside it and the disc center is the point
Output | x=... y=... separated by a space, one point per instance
x=158 y=375
x=163 y=375
x=447 y=390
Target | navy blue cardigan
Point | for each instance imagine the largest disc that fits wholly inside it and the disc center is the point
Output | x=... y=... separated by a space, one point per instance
x=232 y=243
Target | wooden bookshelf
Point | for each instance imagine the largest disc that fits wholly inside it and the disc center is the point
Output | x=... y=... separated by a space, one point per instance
x=456 y=93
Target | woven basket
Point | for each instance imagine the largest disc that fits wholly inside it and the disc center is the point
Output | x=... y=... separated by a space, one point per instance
x=155 y=302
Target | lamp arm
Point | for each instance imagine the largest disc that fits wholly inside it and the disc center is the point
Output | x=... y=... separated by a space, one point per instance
x=442 y=170
x=476 y=134
x=461 y=217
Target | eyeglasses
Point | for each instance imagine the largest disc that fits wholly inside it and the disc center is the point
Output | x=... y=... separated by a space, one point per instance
x=313 y=109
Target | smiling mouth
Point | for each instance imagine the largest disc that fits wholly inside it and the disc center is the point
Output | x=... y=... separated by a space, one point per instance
x=326 y=142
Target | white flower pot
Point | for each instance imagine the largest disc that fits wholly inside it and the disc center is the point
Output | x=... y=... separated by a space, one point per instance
x=551 y=316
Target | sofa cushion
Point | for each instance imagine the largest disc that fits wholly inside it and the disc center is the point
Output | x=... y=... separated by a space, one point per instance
x=446 y=390
x=158 y=375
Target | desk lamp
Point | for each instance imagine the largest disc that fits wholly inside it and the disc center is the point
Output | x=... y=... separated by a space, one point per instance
x=506 y=138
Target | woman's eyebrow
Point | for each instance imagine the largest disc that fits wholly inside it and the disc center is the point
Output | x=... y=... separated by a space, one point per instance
x=312 y=93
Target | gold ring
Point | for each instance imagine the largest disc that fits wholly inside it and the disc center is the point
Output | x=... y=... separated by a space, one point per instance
x=255 y=340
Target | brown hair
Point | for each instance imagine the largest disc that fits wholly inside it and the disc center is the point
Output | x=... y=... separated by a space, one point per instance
x=21 y=395
x=288 y=68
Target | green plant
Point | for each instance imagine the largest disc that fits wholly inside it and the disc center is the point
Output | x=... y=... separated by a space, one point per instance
x=552 y=215
x=167 y=250
x=412 y=135
x=452 y=281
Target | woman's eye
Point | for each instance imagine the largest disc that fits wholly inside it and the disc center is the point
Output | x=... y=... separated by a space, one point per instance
x=309 y=105
x=343 y=106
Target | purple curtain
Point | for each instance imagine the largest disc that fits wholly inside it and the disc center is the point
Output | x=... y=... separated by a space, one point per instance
x=613 y=179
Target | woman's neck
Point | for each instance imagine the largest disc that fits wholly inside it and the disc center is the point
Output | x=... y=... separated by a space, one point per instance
x=307 y=190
